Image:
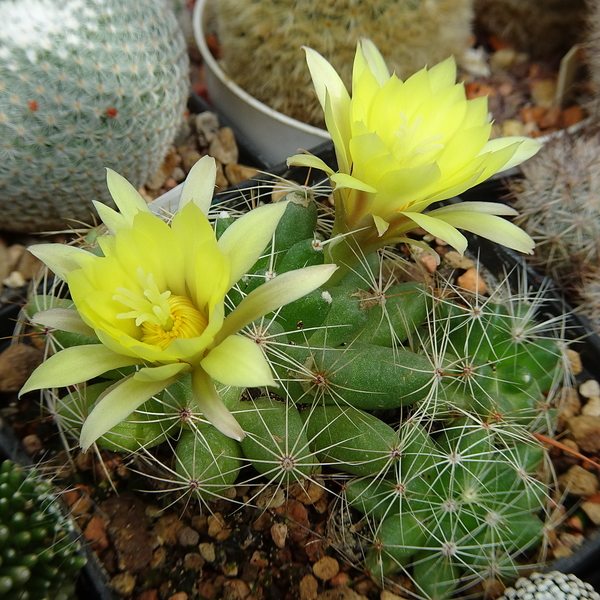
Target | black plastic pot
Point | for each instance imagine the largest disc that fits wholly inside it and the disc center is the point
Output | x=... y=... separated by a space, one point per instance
x=94 y=582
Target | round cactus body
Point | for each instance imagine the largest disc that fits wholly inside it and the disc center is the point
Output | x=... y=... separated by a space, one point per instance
x=83 y=86
x=262 y=42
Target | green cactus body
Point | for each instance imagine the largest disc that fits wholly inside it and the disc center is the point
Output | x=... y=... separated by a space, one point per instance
x=84 y=86
x=351 y=439
x=262 y=42
x=207 y=461
x=364 y=376
x=39 y=559
x=276 y=442
x=398 y=316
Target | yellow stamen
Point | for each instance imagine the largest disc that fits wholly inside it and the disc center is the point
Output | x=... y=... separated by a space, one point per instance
x=187 y=322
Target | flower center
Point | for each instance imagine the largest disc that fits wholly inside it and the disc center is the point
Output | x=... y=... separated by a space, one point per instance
x=184 y=319
x=411 y=148
x=162 y=317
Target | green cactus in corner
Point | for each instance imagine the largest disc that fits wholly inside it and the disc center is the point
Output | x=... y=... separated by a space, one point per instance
x=83 y=86
x=39 y=559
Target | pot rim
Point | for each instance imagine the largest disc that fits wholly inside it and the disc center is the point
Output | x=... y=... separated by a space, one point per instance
x=217 y=71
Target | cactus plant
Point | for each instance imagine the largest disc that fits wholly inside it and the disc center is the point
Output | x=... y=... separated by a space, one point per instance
x=555 y=585
x=558 y=204
x=465 y=501
x=261 y=42
x=40 y=558
x=83 y=86
x=421 y=401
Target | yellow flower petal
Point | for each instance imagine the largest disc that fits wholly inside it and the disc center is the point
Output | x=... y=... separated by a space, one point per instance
x=126 y=197
x=440 y=229
x=65 y=319
x=238 y=361
x=75 y=365
x=246 y=239
x=489 y=226
x=60 y=258
x=199 y=185
x=212 y=407
x=281 y=290
x=310 y=161
x=117 y=403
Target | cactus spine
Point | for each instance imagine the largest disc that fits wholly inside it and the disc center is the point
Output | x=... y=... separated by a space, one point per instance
x=83 y=86
x=261 y=42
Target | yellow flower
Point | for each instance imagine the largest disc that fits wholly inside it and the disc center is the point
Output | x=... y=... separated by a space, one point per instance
x=401 y=146
x=156 y=300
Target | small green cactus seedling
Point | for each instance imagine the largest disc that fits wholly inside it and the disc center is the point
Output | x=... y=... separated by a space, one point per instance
x=84 y=86
x=262 y=42
x=39 y=558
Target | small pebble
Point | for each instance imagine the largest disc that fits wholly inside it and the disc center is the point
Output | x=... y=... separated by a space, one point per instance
x=472 y=281
x=14 y=280
x=578 y=482
x=237 y=173
x=32 y=443
x=592 y=407
x=279 y=533
x=235 y=589
x=589 y=388
x=167 y=528
x=387 y=595
x=429 y=262
x=271 y=497
x=458 y=261
x=224 y=147
x=543 y=92
x=95 y=533
x=574 y=361
x=193 y=561
x=207 y=550
x=309 y=588
x=326 y=568
x=592 y=510
x=512 y=127
x=17 y=363
x=188 y=537
x=159 y=558
x=207 y=128
x=585 y=430
x=123 y=583
x=189 y=159
x=216 y=524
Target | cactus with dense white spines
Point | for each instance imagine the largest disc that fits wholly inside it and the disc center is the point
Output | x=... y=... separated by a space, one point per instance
x=83 y=86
